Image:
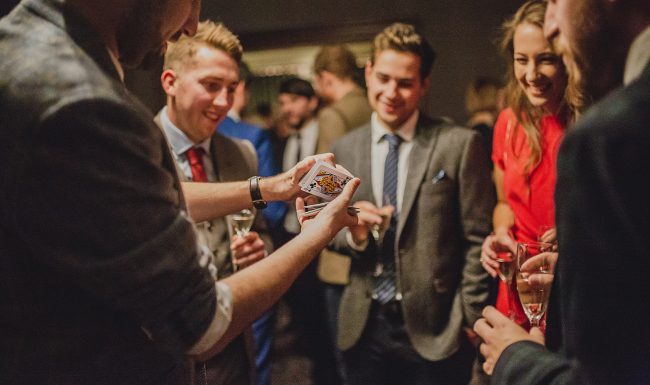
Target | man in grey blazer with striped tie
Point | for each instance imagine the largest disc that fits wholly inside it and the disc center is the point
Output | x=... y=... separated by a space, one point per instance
x=415 y=291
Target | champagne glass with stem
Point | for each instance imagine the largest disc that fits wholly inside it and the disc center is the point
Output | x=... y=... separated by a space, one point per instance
x=377 y=231
x=506 y=271
x=241 y=223
x=534 y=278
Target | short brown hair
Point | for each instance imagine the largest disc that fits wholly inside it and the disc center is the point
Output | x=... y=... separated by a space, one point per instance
x=404 y=38
x=337 y=59
x=209 y=33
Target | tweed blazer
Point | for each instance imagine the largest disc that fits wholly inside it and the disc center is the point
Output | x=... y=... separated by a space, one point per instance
x=100 y=278
x=445 y=215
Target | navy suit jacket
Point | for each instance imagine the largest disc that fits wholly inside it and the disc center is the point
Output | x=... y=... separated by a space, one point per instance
x=603 y=221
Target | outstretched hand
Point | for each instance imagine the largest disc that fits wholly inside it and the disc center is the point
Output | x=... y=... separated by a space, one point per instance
x=498 y=332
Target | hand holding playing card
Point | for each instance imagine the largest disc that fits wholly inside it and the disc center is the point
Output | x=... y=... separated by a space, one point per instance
x=285 y=186
x=325 y=181
x=333 y=217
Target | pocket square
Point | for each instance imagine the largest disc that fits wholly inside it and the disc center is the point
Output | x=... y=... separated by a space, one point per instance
x=439 y=176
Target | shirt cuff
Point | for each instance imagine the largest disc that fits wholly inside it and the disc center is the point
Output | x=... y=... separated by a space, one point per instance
x=220 y=321
x=360 y=247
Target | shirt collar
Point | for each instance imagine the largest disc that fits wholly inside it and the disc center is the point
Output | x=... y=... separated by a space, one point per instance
x=117 y=64
x=234 y=115
x=406 y=131
x=637 y=57
x=177 y=138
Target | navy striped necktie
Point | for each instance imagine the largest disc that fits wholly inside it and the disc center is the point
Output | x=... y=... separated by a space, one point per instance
x=385 y=285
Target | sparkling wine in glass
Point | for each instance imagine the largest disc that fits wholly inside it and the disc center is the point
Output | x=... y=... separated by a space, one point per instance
x=377 y=231
x=241 y=223
x=534 y=279
x=506 y=272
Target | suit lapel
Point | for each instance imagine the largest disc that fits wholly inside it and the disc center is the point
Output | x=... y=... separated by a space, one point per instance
x=363 y=165
x=424 y=144
x=220 y=161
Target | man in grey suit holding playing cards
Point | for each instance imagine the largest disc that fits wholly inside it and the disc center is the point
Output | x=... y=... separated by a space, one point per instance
x=416 y=290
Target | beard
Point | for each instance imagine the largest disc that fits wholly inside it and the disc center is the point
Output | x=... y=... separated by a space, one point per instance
x=139 y=40
x=597 y=51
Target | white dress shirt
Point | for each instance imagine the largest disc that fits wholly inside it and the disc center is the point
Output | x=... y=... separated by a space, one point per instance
x=307 y=147
x=378 y=153
x=308 y=141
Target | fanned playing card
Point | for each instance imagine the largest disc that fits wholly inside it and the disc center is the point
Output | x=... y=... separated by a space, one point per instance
x=324 y=181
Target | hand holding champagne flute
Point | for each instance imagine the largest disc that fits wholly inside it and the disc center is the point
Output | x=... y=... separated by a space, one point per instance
x=241 y=223
x=534 y=277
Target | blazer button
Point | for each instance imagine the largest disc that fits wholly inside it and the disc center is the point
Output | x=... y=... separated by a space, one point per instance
x=398 y=296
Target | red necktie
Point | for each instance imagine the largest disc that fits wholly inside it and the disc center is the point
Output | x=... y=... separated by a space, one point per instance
x=195 y=157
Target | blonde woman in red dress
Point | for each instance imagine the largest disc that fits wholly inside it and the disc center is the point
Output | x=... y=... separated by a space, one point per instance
x=527 y=136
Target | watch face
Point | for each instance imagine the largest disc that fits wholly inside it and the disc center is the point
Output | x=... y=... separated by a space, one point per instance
x=259 y=204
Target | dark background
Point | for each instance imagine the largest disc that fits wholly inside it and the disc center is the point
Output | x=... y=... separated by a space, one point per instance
x=463 y=34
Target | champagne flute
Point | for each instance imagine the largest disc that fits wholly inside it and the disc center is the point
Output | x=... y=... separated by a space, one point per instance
x=534 y=280
x=241 y=223
x=377 y=231
x=506 y=272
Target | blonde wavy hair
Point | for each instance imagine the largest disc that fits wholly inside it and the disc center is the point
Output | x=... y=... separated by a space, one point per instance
x=527 y=115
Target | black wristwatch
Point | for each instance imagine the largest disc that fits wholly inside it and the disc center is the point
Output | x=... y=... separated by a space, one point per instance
x=256 y=195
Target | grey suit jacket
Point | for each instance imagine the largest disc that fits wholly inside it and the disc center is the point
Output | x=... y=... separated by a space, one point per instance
x=442 y=224
x=98 y=265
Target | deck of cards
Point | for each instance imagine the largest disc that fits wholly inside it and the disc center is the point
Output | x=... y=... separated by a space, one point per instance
x=325 y=181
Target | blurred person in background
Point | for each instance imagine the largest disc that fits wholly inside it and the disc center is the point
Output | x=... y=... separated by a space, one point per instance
x=298 y=105
x=346 y=107
x=233 y=126
x=483 y=101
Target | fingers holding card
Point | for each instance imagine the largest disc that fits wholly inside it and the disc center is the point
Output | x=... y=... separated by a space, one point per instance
x=325 y=181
